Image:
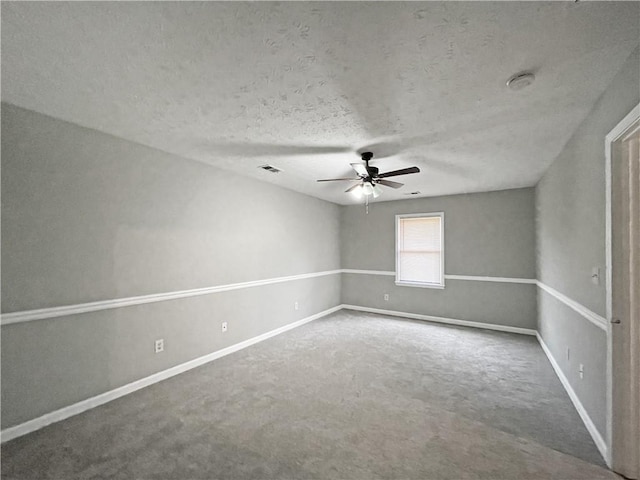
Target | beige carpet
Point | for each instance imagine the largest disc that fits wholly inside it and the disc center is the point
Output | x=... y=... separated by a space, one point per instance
x=349 y=396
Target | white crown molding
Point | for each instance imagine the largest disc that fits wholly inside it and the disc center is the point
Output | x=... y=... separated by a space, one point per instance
x=63 y=311
x=449 y=321
x=593 y=431
x=593 y=317
x=84 y=405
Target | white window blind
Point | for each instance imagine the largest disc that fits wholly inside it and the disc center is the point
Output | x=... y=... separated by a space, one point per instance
x=419 y=250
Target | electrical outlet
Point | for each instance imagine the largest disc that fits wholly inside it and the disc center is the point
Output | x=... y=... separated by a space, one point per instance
x=159 y=346
x=386 y=297
x=568 y=354
x=296 y=306
x=595 y=276
x=225 y=326
x=581 y=371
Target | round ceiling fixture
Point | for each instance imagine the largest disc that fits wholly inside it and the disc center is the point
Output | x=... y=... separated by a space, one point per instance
x=520 y=80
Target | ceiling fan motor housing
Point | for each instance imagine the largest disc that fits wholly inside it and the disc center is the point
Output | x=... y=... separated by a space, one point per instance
x=372 y=171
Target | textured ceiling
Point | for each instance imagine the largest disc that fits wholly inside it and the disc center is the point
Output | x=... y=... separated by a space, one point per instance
x=303 y=86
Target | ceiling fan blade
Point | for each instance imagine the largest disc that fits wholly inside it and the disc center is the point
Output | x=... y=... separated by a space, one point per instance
x=352 y=188
x=338 y=179
x=391 y=184
x=360 y=169
x=249 y=149
x=402 y=171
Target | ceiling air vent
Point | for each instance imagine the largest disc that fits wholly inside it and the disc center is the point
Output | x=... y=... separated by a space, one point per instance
x=269 y=168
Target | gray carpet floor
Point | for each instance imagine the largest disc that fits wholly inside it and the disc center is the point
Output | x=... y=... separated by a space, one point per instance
x=349 y=396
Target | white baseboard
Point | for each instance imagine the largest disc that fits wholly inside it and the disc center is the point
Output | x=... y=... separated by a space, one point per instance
x=450 y=321
x=591 y=428
x=593 y=431
x=84 y=405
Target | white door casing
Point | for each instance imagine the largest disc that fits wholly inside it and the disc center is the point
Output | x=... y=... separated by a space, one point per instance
x=623 y=297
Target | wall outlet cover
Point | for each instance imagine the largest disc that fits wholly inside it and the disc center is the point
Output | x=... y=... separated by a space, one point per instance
x=159 y=345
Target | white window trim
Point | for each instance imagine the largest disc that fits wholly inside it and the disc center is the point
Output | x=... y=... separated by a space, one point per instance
x=401 y=283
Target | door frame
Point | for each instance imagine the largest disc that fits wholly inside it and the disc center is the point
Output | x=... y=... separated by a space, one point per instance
x=616 y=134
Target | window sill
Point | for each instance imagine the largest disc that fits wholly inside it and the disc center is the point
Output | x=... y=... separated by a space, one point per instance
x=439 y=286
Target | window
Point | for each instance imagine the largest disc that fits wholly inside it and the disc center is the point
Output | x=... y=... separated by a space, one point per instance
x=420 y=250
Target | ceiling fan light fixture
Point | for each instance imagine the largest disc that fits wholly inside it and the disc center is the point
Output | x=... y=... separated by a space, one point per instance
x=357 y=192
x=367 y=188
x=377 y=191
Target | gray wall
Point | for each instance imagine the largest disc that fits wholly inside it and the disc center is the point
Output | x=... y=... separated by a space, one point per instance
x=486 y=234
x=570 y=228
x=87 y=216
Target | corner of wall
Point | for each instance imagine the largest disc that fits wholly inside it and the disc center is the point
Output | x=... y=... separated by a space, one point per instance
x=570 y=241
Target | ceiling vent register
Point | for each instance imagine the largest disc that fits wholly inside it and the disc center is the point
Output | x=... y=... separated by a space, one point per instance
x=269 y=168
